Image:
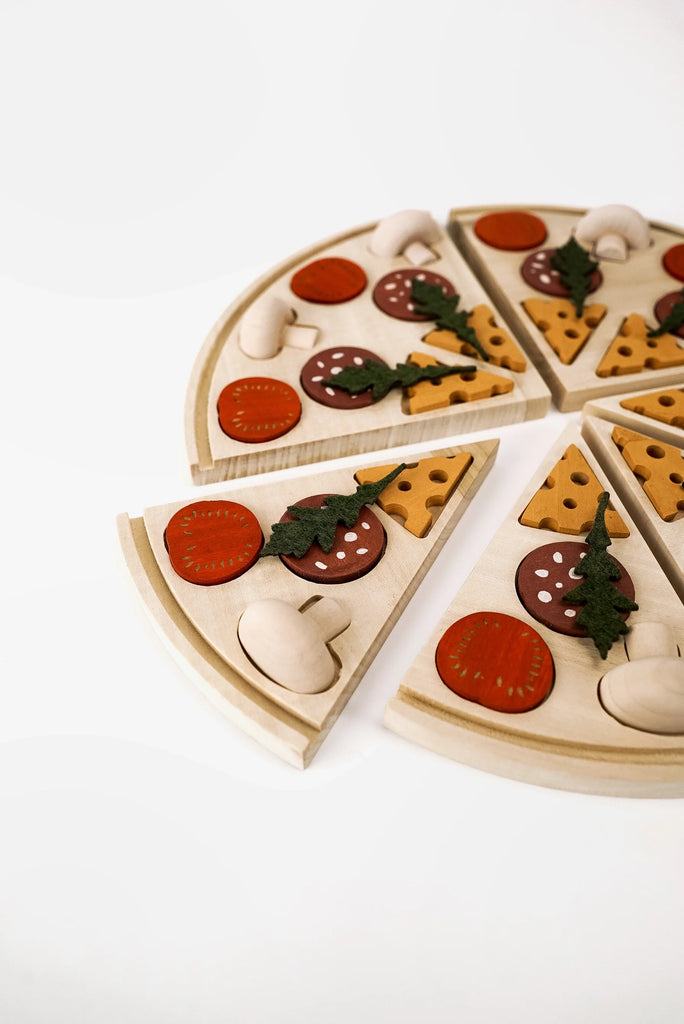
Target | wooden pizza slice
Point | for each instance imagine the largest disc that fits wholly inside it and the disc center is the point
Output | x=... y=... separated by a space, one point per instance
x=658 y=413
x=594 y=296
x=266 y=391
x=647 y=471
x=276 y=597
x=558 y=662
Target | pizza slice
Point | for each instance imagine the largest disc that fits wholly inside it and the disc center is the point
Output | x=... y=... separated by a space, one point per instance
x=277 y=596
x=263 y=394
x=595 y=298
x=558 y=661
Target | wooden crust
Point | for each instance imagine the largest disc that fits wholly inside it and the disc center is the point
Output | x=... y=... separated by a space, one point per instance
x=213 y=456
x=632 y=287
x=569 y=741
x=200 y=623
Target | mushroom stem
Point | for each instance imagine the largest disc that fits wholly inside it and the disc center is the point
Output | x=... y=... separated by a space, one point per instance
x=611 y=247
x=329 y=617
x=650 y=640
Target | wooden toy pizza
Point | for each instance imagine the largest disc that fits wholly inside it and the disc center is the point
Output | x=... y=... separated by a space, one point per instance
x=270 y=387
x=595 y=297
x=559 y=660
x=277 y=597
x=639 y=442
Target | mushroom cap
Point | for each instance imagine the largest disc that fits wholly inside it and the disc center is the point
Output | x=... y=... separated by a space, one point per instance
x=395 y=232
x=614 y=219
x=286 y=646
x=647 y=694
x=259 y=332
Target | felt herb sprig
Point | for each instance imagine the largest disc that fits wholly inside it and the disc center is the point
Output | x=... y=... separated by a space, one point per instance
x=311 y=525
x=382 y=379
x=601 y=599
x=575 y=267
x=431 y=301
x=672 y=322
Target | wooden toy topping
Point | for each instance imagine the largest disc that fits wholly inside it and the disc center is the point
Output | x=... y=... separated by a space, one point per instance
x=326 y=365
x=268 y=324
x=673 y=261
x=497 y=343
x=566 y=503
x=539 y=272
x=470 y=386
x=255 y=409
x=511 y=229
x=211 y=542
x=666 y=406
x=289 y=645
x=613 y=230
x=661 y=467
x=408 y=232
x=633 y=350
x=329 y=280
x=669 y=312
x=647 y=693
x=564 y=331
x=393 y=293
x=497 y=661
x=381 y=378
x=547 y=574
x=418 y=488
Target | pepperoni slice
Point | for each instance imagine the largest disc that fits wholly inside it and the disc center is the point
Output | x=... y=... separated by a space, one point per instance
x=536 y=269
x=392 y=293
x=255 y=409
x=663 y=308
x=495 y=660
x=329 y=280
x=547 y=573
x=327 y=364
x=511 y=229
x=212 y=542
x=354 y=552
x=673 y=261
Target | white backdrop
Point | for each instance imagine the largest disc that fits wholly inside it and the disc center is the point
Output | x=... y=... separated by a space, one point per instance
x=155 y=864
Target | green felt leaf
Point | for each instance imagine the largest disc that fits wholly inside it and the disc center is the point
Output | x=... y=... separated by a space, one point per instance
x=381 y=379
x=431 y=301
x=575 y=267
x=672 y=322
x=318 y=525
x=602 y=601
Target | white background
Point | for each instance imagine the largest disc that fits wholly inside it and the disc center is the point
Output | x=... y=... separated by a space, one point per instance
x=157 y=866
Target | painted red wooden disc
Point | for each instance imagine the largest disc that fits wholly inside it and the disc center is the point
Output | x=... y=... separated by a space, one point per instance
x=673 y=261
x=255 y=409
x=663 y=308
x=511 y=229
x=329 y=280
x=537 y=271
x=392 y=293
x=212 y=542
x=495 y=660
x=354 y=552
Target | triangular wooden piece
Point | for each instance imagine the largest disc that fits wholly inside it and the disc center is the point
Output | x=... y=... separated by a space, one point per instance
x=660 y=467
x=496 y=341
x=566 y=503
x=466 y=387
x=665 y=406
x=201 y=622
x=422 y=486
x=565 y=332
x=632 y=351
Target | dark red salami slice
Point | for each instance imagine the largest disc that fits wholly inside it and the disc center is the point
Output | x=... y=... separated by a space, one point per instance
x=354 y=552
x=212 y=542
x=327 y=364
x=547 y=573
x=329 y=281
x=495 y=660
x=663 y=308
x=537 y=271
x=511 y=229
x=392 y=293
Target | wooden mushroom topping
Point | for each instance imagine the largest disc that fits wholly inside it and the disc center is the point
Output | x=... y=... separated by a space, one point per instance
x=647 y=692
x=613 y=230
x=268 y=324
x=290 y=646
x=408 y=232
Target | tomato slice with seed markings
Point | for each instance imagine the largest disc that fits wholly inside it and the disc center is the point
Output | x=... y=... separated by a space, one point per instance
x=211 y=542
x=254 y=409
